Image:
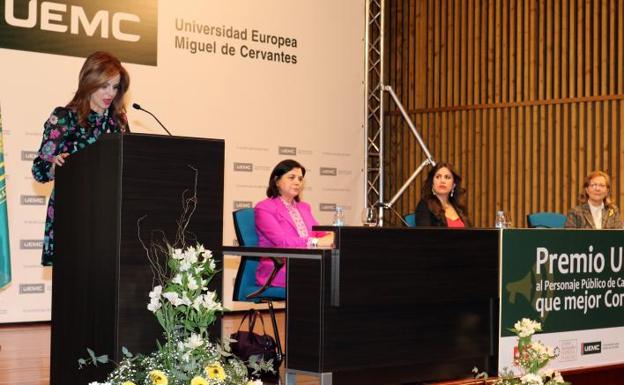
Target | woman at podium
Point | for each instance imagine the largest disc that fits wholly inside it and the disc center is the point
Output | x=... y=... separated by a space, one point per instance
x=442 y=199
x=596 y=210
x=283 y=220
x=97 y=107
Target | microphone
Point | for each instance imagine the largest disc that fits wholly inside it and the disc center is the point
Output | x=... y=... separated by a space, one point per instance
x=136 y=106
x=388 y=206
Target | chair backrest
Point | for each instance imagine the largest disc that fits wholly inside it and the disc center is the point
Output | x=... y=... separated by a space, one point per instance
x=245 y=227
x=410 y=219
x=546 y=220
x=245 y=282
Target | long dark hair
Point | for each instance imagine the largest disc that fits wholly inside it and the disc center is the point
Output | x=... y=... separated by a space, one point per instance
x=96 y=70
x=457 y=198
x=280 y=169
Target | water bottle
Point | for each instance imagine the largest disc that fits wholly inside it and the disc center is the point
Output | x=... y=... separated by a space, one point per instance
x=500 y=222
x=338 y=217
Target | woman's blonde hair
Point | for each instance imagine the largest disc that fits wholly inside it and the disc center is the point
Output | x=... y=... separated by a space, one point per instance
x=594 y=174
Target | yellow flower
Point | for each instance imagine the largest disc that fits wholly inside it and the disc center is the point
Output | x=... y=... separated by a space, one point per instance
x=197 y=380
x=215 y=370
x=254 y=382
x=158 y=377
x=128 y=383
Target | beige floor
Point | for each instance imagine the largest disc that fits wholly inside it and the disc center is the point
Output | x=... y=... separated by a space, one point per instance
x=25 y=354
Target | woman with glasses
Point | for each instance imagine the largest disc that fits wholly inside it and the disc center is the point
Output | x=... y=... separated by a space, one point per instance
x=596 y=210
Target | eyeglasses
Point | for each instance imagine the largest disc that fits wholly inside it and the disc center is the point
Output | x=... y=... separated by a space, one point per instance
x=597 y=185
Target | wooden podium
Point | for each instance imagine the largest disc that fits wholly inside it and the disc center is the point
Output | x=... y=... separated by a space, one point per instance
x=101 y=275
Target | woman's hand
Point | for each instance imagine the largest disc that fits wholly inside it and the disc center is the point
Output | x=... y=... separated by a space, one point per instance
x=59 y=160
x=327 y=240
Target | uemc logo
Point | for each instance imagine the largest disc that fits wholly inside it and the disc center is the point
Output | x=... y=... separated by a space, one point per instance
x=127 y=28
x=31 y=288
x=243 y=205
x=28 y=155
x=243 y=166
x=26 y=244
x=327 y=207
x=329 y=171
x=32 y=200
x=591 y=347
x=284 y=150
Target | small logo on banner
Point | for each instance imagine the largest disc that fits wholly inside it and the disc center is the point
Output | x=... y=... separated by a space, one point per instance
x=29 y=244
x=568 y=350
x=31 y=288
x=247 y=167
x=127 y=28
x=29 y=155
x=610 y=346
x=243 y=205
x=327 y=207
x=329 y=171
x=591 y=347
x=283 y=150
x=32 y=200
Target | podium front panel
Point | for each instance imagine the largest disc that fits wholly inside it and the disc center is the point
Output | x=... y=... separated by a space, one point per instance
x=101 y=275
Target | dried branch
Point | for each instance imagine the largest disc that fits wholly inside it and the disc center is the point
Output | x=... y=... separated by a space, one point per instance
x=159 y=246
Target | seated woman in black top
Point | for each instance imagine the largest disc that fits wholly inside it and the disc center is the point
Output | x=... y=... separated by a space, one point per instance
x=442 y=199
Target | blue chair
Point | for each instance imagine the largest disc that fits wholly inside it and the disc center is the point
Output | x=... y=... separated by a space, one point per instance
x=245 y=287
x=546 y=220
x=410 y=219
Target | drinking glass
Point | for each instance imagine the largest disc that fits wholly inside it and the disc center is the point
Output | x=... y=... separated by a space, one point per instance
x=369 y=216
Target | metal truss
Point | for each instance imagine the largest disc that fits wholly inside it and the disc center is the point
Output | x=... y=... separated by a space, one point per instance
x=373 y=124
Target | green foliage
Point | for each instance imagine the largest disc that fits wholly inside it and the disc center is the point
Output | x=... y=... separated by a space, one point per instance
x=93 y=359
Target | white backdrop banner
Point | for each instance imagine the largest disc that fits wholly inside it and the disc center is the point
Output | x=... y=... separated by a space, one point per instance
x=276 y=79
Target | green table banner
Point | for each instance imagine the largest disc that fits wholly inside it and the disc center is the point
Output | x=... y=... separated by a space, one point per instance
x=566 y=279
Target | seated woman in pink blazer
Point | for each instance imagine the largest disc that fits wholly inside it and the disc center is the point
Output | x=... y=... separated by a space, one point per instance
x=283 y=220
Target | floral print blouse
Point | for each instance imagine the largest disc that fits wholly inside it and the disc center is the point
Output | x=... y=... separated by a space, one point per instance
x=62 y=134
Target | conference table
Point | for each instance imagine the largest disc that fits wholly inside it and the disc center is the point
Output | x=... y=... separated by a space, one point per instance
x=391 y=305
x=415 y=305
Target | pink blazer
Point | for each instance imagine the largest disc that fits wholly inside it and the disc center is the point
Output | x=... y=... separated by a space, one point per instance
x=275 y=228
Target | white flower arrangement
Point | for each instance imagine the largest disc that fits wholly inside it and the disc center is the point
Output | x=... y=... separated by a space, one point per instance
x=531 y=359
x=185 y=307
x=531 y=379
x=185 y=311
x=526 y=327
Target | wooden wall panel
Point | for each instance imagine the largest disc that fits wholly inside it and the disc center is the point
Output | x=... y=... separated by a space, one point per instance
x=524 y=97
